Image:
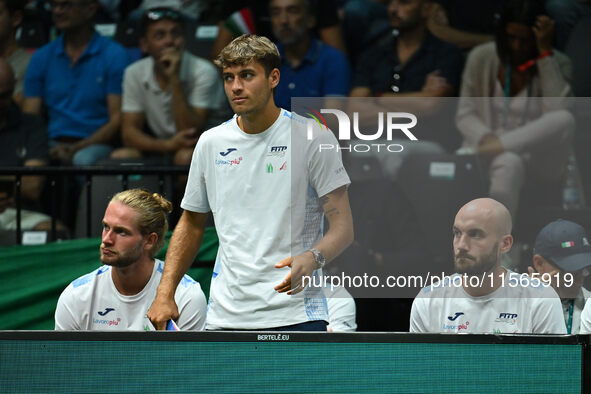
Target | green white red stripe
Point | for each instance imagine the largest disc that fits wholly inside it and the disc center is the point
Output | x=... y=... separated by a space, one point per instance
x=241 y=22
x=567 y=244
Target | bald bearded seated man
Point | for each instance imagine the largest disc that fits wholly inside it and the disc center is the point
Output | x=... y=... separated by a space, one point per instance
x=483 y=297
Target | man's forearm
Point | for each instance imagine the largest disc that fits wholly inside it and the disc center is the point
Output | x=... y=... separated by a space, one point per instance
x=340 y=233
x=136 y=138
x=185 y=117
x=334 y=242
x=103 y=135
x=183 y=247
x=460 y=38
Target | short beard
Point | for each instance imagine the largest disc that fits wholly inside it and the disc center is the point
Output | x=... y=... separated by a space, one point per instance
x=482 y=265
x=126 y=259
x=298 y=34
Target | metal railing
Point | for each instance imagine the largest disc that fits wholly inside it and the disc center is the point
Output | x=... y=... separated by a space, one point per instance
x=53 y=173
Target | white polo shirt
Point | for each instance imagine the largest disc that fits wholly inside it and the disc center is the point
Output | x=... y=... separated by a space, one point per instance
x=200 y=81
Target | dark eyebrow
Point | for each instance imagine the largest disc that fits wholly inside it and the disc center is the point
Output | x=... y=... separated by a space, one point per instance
x=117 y=228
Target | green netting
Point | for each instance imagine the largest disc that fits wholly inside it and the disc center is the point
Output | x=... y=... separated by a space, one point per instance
x=33 y=277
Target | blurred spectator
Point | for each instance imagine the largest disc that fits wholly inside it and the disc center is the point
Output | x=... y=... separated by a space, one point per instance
x=23 y=142
x=172 y=91
x=240 y=17
x=364 y=21
x=78 y=79
x=411 y=62
x=192 y=10
x=562 y=255
x=464 y=23
x=109 y=10
x=497 y=301
x=309 y=68
x=566 y=14
x=11 y=16
x=516 y=133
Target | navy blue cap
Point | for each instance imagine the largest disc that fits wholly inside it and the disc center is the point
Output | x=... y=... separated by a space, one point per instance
x=564 y=244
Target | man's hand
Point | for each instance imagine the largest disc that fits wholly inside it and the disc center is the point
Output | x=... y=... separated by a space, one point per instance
x=544 y=32
x=434 y=83
x=170 y=61
x=302 y=265
x=63 y=153
x=490 y=146
x=437 y=15
x=162 y=310
x=182 y=139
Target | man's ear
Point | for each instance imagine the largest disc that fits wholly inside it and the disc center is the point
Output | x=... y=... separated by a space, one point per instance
x=538 y=263
x=311 y=21
x=144 y=44
x=94 y=7
x=151 y=240
x=17 y=19
x=274 y=78
x=506 y=243
x=426 y=8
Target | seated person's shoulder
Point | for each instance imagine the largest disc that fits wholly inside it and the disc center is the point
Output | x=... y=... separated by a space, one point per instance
x=216 y=132
x=189 y=283
x=485 y=52
x=443 y=48
x=86 y=282
x=140 y=68
x=439 y=287
x=112 y=45
x=529 y=287
x=331 y=51
x=46 y=51
x=198 y=65
x=382 y=45
x=562 y=58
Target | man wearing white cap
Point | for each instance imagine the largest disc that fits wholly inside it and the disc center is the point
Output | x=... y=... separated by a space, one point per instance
x=562 y=255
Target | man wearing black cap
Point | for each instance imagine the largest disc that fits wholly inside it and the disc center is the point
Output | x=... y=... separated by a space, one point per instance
x=561 y=256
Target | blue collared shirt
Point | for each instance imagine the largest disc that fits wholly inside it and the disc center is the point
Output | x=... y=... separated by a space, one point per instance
x=324 y=71
x=76 y=94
